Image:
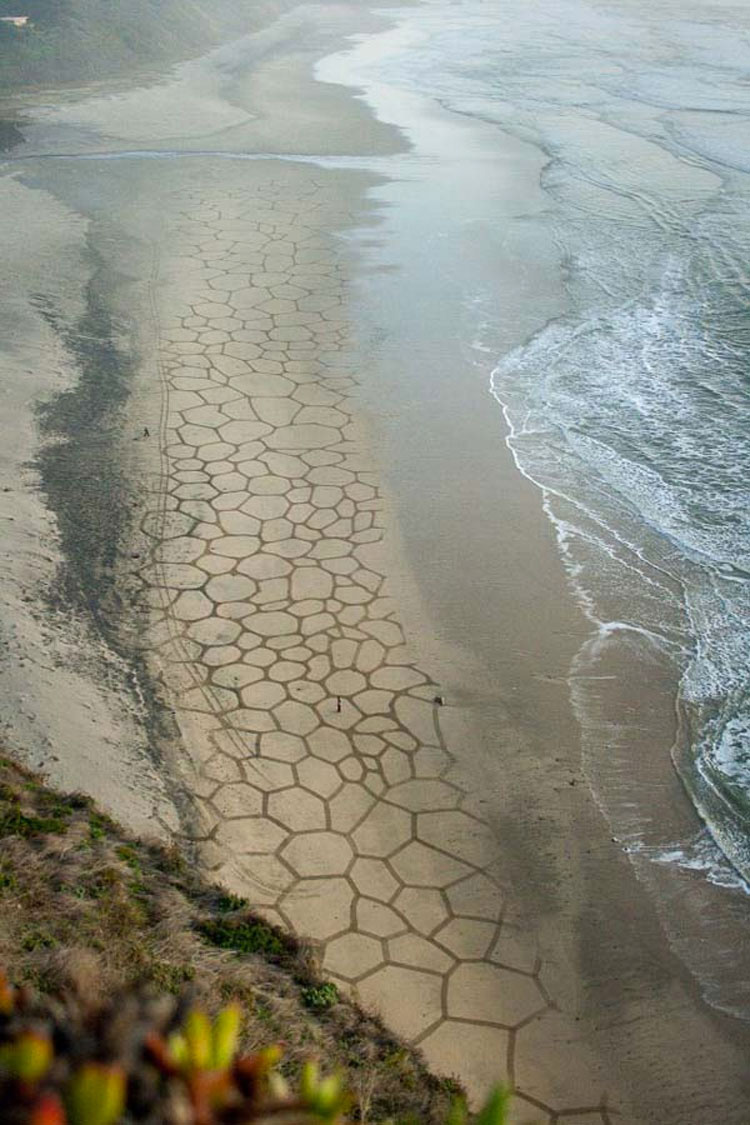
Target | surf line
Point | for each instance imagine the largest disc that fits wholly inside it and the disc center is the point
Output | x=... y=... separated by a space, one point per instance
x=174 y=154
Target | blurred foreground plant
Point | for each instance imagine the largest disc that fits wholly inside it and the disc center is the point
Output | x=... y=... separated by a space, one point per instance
x=132 y=1063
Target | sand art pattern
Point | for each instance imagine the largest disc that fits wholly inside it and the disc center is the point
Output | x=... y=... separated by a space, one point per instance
x=324 y=787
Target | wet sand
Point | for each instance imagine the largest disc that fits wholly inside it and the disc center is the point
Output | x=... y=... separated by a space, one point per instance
x=313 y=546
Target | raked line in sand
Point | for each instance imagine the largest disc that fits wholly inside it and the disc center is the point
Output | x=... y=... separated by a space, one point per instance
x=324 y=789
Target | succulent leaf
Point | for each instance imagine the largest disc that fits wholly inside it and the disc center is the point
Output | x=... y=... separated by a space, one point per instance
x=199 y=1039
x=458 y=1113
x=47 y=1110
x=7 y=995
x=96 y=1095
x=309 y=1081
x=28 y=1057
x=495 y=1109
x=178 y=1050
x=277 y=1086
x=329 y=1097
x=226 y=1033
x=269 y=1057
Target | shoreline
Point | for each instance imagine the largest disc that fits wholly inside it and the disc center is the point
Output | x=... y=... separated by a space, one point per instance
x=558 y=1054
x=615 y=940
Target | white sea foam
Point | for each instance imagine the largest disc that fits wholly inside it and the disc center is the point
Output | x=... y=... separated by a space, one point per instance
x=700 y=854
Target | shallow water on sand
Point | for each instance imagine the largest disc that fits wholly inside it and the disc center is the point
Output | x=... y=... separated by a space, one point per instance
x=628 y=404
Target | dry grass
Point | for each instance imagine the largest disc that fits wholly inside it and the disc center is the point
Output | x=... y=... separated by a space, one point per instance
x=85 y=906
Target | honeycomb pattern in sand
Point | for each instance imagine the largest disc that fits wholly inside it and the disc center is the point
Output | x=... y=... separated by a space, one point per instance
x=317 y=758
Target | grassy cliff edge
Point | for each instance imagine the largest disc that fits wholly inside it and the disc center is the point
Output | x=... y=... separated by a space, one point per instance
x=89 y=909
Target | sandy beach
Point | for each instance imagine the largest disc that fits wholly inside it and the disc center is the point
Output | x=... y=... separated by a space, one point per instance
x=266 y=534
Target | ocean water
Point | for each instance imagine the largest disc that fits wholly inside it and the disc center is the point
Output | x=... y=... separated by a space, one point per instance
x=630 y=409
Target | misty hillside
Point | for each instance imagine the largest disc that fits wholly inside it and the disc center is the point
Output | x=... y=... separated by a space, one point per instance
x=74 y=41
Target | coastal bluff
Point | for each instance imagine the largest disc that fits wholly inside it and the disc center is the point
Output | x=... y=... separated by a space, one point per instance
x=69 y=42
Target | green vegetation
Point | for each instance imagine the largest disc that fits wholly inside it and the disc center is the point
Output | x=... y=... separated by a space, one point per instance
x=52 y=814
x=231 y=902
x=131 y=936
x=243 y=937
x=321 y=996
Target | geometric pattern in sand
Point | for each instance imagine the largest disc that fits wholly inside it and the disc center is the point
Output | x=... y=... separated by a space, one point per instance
x=269 y=604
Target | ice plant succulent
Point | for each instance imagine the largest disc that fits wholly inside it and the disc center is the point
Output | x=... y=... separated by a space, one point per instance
x=323 y=1097
x=95 y=1095
x=7 y=995
x=147 y=1069
x=202 y=1053
x=47 y=1110
x=27 y=1058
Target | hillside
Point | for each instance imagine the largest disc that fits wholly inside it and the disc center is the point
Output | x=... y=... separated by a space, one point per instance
x=89 y=910
x=77 y=41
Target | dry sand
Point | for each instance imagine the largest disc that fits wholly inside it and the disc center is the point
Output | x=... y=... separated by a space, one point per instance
x=241 y=537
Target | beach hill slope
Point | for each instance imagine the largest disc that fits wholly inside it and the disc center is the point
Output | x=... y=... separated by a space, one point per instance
x=77 y=41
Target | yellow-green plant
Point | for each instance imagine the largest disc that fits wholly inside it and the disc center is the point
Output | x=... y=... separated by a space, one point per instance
x=95 y=1095
x=27 y=1057
x=324 y=1097
x=493 y=1112
x=195 y=1066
